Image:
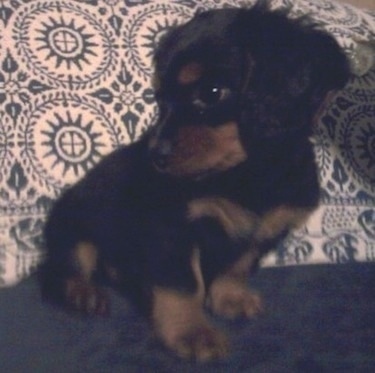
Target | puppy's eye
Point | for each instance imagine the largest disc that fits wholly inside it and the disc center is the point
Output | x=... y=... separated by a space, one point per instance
x=211 y=96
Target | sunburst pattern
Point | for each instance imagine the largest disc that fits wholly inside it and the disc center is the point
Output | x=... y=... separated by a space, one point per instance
x=71 y=143
x=65 y=43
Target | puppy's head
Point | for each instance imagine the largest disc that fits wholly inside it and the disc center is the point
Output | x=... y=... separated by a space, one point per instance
x=232 y=79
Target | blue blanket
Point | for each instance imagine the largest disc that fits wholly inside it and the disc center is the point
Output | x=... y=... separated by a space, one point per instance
x=317 y=319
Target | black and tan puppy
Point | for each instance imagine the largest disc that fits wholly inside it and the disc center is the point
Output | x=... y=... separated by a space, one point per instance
x=176 y=220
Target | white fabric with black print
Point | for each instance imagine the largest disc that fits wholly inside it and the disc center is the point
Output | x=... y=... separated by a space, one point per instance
x=75 y=83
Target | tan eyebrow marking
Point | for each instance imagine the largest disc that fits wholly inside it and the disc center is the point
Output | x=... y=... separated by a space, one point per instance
x=190 y=73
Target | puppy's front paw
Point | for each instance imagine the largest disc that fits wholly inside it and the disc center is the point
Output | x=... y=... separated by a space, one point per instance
x=86 y=298
x=201 y=343
x=183 y=327
x=232 y=299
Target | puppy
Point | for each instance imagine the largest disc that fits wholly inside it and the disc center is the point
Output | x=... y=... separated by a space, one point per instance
x=177 y=220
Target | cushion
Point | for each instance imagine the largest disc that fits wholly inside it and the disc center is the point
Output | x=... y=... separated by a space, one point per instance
x=75 y=83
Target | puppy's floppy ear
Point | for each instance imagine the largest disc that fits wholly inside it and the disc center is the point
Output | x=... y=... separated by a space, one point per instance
x=329 y=66
x=293 y=52
x=295 y=65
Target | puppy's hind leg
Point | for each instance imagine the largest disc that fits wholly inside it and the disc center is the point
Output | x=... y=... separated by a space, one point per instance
x=67 y=280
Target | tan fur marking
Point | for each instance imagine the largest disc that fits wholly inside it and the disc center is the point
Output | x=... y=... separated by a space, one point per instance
x=197 y=270
x=235 y=220
x=229 y=294
x=228 y=148
x=279 y=219
x=242 y=267
x=181 y=323
x=173 y=312
x=83 y=296
x=330 y=96
x=232 y=299
x=202 y=148
x=155 y=82
x=190 y=73
x=86 y=256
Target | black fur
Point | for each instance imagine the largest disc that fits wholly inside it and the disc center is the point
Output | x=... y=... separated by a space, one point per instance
x=276 y=73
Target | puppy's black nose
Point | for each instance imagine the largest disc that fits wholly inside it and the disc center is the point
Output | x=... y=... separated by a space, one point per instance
x=160 y=154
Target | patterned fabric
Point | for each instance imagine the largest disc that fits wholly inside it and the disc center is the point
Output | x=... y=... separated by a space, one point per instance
x=75 y=84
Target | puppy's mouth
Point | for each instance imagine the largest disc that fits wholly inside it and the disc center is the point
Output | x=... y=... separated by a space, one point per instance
x=199 y=151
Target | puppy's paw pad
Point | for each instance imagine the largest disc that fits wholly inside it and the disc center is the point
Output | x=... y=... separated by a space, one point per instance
x=239 y=302
x=202 y=343
x=86 y=298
